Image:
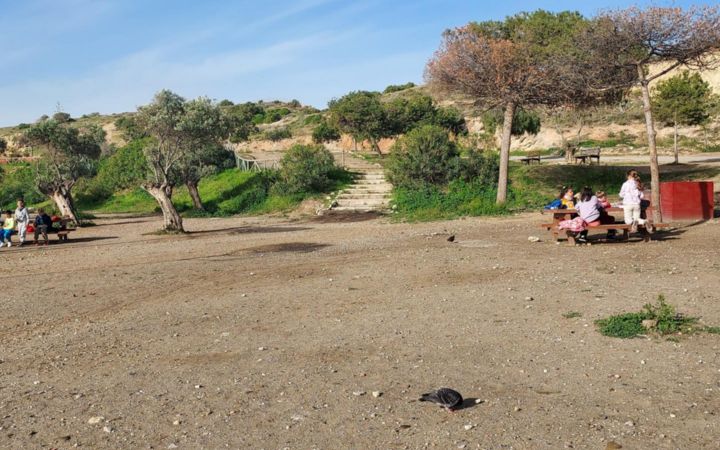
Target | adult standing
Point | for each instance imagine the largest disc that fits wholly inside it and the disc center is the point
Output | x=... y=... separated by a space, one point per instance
x=22 y=219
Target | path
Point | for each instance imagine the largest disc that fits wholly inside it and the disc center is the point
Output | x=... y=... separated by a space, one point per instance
x=369 y=192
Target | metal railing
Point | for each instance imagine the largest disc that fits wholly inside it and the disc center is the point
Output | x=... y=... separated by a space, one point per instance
x=249 y=163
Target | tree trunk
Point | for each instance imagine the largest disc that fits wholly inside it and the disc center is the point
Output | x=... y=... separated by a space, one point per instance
x=505 y=152
x=195 y=195
x=375 y=146
x=654 y=167
x=675 y=144
x=64 y=202
x=162 y=194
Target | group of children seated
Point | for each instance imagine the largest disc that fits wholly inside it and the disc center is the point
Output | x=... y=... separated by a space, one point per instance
x=19 y=223
x=591 y=207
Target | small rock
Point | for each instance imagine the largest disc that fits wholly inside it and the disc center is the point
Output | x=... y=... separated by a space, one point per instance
x=359 y=393
x=518 y=409
x=376 y=394
x=172 y=446
x=176 y=422
x=262 y=348
x=469 y=426
x=649 y=324
x=95 y=420
x=107 y=429
x=672 y=415
x=630 y=423
x=529 y=299
x=478 y=401
x=533 y=239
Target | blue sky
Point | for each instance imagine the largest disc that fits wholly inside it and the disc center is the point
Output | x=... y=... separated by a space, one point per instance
x=113 y=55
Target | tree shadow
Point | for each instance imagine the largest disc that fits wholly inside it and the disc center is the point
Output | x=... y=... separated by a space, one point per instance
x=346 y=217
x=246 y=230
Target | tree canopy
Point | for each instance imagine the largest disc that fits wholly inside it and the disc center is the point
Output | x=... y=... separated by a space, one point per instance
x=68 y=154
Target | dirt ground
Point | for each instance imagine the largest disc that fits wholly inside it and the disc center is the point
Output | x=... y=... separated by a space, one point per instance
x=266 y=333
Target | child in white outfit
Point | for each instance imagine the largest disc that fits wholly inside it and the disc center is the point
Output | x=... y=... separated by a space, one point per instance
x=632 y=197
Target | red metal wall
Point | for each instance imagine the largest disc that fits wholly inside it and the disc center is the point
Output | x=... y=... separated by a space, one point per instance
x=687 y=200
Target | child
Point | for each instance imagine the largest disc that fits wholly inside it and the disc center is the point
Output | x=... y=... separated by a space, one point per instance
x=567 y=198
x=7 y=229
x=632 y=197
x=603 y=200
x=22 y=219
x=42 y=223
x=588 y=209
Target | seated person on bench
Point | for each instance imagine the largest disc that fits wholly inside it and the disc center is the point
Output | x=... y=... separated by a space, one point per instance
x=590 y=210
x=43 y=223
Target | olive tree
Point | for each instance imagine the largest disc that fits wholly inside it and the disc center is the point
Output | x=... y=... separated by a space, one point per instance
x=68 y=154
x=179 y=130
x=667 y=37
x=204 y=128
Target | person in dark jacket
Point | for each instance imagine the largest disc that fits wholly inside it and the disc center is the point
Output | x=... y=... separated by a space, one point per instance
x=43 y=222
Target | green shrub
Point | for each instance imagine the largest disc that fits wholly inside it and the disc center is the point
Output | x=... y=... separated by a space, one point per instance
x=305 y=169
x=480 y=167
x=18 y=180
x=398 y=87
x=325 y=132
x=629 y=325
x=124 y=169
x=313 y=119
x=277 y=134
x=424 y=156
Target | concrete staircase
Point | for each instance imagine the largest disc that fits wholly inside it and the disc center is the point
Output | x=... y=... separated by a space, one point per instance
x=369 y=192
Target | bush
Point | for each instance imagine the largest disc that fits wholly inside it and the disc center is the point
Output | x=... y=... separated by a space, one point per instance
x=126 y=168
x=425 y=156
x=278 y=134
x=398 y=87
x=305 y=169
x=666 y=321
x=325 y=133
x=480 y=167
x=18 y=181
x=61 y=117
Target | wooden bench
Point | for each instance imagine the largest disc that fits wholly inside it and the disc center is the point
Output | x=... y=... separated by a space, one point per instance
x=564 y=214
x=530 y=157
x=586 y=155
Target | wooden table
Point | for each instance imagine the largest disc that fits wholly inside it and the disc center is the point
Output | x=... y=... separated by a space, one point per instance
x=565 y=214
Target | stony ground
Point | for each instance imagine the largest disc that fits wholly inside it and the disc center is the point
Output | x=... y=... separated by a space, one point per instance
x=270 y=334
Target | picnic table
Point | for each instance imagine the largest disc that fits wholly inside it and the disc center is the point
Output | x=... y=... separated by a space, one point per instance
x=565 y=214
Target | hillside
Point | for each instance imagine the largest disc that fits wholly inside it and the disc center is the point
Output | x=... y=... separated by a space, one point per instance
x=281 y=124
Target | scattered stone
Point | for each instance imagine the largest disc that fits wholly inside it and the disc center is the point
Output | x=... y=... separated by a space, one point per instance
x=95 y=420
x=529 y=299
x=172 y=446
x=518 y=409
x=533 y=239
x=478 y=401
x=630 y=423
x=177 y=422
x=376 y=394
x=359 y=393
x=469 y=427
x=649 y=324
x=107 y=429
x=262 y=348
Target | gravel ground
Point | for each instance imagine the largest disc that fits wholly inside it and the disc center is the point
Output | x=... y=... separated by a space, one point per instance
x=322 y=333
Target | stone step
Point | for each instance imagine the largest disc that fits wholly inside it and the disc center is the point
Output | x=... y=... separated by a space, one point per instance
x=358 y=209
x=363 y=202
x=356 y=191
x=365 y=182
x=364 y=195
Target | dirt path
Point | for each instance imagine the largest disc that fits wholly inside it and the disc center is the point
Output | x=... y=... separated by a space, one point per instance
x=259 y=333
